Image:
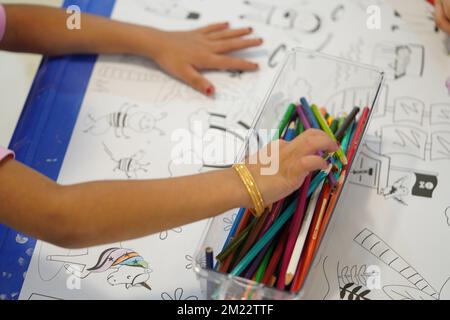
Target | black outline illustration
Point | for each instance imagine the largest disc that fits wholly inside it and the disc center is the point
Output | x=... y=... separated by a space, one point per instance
x=131 y=165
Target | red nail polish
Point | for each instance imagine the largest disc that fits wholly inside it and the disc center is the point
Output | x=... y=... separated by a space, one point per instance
x=210 y=90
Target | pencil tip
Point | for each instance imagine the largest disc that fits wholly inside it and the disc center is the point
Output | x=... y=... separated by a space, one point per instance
x=288 y=279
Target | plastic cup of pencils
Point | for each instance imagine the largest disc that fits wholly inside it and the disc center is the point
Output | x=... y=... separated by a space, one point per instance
x=270 y=258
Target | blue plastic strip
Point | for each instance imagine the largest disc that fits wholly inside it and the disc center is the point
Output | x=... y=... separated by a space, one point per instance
x=42 y=137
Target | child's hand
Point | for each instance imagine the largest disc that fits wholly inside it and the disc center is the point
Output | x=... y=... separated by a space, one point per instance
x=183 y=54
x=442 y=15
x=296 y=160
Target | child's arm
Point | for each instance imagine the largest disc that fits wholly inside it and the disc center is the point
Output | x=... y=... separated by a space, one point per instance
x=101 y=212
x=43 y=30
x=442 y=15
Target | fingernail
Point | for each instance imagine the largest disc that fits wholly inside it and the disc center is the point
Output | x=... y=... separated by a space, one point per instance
x=250 y=29
x=261 y=40
x=256 y=66
x=209 y=91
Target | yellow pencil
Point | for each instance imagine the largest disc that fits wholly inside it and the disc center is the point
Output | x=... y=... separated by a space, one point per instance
x=323 y=124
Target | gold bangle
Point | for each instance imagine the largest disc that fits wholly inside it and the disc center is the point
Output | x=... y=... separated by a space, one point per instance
x=252 y=189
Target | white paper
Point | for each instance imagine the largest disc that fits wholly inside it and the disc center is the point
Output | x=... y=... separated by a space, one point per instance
x=409 y=139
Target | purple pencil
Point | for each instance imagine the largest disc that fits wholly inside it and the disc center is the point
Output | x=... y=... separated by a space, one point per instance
x=307 y=125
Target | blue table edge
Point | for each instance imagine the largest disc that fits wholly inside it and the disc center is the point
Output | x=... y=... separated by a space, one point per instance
x=42 y=136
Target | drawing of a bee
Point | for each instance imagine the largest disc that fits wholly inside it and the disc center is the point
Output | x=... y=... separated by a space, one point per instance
x=129 y=165
x=122 y=120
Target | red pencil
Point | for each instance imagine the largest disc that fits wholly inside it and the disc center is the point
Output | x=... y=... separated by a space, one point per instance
x=294 y=229
x=310 y=245
x=274 y=261
x=358 y=135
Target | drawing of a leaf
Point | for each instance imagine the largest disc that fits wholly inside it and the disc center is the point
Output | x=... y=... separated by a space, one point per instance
x=363 y=294
x=406 y=293
x=344 y=289
x=354 y=274
x=344 y=274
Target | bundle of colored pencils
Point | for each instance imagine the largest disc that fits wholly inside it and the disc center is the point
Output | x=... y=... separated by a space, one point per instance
x=277 y=248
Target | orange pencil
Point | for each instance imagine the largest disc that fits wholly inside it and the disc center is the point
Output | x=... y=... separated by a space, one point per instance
x=307 y=257
x=330 y=208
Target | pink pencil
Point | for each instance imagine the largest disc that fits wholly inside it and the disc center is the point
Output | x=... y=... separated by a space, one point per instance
x=296 y=224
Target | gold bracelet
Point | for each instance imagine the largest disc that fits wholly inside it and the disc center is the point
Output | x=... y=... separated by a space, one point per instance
x=252 y=188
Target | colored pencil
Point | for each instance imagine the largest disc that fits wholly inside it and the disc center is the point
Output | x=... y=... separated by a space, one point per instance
x=323 y=124
x=253 y=235
x=277 y=225
x=294 y=229
x=284 y=121
x=235 y=242
x=346 y=124
x=302 y=115
x=299 y=244
x=275 y=260
x=263 y=267
x=310 y=245
x=330 y=208
x=358 y=133
x=308 y=112
x=209 y=258
x=334 y=126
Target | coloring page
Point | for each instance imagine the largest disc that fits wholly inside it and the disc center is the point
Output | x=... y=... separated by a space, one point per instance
x=386 y=238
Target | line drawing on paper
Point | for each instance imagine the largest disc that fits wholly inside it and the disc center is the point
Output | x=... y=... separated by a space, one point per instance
x=421 y=289
x=357 y=96
x=327 y=292
x=408 y=109
x=447 y=215
x=352 y=282
x=277 y=55
x=228 y=222
x=124 y=120
x=39 y=296
x=131 y=165
x=397 y=191
x=336 y=14
x=403 y=140
x=124 y=267
x=283 y=18
x=370 y=169
x=165 y=234
x=440 y=145
x=440 y=114
x=171 y=9
x=177 y=295
x=400 y=60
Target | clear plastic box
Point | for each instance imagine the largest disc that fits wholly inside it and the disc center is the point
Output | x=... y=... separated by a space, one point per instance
x=328 y=81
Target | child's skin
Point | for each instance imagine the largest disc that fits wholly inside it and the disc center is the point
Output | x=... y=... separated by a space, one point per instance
x=442 y=15
x=100 y=212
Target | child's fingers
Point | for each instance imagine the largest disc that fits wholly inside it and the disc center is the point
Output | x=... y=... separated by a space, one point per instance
x=214 y=27
x=230 y=34
x=442 y=21
x=231 y=63
x=193 y=78
x=312 y=163
x=313 y=141
x=227 y=46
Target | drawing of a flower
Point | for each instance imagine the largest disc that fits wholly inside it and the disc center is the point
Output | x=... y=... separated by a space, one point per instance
x=229 y=222
x=177 y=295
x=165 y=234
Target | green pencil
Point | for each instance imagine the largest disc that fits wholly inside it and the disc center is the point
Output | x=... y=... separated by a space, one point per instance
x=262 y=268
x=253 y=252
x=323 y=124
x=284 y=121
x=235 y=242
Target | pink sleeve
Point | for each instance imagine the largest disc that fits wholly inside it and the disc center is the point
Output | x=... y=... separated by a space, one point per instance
x=2 y=22
x=4 y=153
